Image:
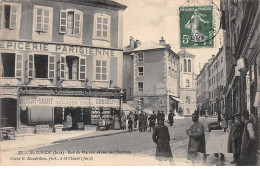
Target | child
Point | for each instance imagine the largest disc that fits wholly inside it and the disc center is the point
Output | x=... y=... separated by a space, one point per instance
x=130 y=124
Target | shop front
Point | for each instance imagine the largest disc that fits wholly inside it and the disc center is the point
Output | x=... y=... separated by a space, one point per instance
x=53 y=110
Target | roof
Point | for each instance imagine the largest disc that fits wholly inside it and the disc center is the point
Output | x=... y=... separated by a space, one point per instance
x=128 y=49
x=183 y=52
x=149 y=45
x=102 y=3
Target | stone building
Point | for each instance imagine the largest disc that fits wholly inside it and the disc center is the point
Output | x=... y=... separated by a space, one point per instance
x=187 y=83
x=151 y=74
x=60 y=57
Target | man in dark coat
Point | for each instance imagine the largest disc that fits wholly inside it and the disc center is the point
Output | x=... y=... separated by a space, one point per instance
x=237 y=130
x=130 y=125
x=135 y=119
x=170 y=117
x=231 y=133
x=197 y=141
x=152 y=119
x=161 y=137
x=248 y=145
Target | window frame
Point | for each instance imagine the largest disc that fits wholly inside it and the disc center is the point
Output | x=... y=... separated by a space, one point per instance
x=95 y=30
x=2 y=16
x=15 y=64
x=35 y=16
x=140 y=88
x=140 y=73
x=107 y=69
x=138 y=58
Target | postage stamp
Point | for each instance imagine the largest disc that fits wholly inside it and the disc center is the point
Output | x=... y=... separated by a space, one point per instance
x=196 y=26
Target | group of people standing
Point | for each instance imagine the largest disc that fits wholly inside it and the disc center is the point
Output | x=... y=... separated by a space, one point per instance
x=242 y=140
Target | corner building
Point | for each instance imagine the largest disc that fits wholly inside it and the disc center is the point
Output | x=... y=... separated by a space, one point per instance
x=60 y=57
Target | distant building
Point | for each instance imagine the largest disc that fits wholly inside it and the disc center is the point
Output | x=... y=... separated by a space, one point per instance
x=187 y=82
x=151 y=74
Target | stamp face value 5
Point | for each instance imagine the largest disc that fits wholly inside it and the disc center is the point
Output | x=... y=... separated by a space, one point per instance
x=196 y=26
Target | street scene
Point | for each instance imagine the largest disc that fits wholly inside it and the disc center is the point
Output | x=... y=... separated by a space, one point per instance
x=129 y=82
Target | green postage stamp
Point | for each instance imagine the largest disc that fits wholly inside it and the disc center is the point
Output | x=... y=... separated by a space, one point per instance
x=196 y=26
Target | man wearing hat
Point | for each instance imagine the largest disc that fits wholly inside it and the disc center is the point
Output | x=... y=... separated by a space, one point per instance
x=236 y=138
x=197 y=141
x=248 y=149
x=170 y=117
x=161 y=137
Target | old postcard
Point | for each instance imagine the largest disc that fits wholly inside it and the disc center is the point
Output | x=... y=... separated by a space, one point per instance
x=129 y=82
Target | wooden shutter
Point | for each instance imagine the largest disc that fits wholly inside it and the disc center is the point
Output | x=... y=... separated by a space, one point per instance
x=18 y=65
x=61 y=67
x=1 y=16
x=39 y=19
x=76 y=23
x=46 y=18
x=51 y=67
x=30 y=66
x=13 y=17
x=82 y=68
x=63 y=21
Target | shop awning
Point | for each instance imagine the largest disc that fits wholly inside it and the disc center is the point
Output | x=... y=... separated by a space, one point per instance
x=257 y=99
x=177 y=99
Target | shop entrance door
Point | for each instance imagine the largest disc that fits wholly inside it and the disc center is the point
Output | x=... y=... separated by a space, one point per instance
x=8 y=112
x=76 y=115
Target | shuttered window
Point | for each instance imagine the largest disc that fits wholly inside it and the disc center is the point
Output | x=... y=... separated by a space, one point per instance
x=82 y=69
x=61 y=67
x=51 y=67
x=102 y=26
x=13 y=17
x=30 y=66
x=8 y=16
x=18 y=65
x=70 y=22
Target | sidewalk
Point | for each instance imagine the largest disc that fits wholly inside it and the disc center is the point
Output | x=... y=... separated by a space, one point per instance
x=25 y=142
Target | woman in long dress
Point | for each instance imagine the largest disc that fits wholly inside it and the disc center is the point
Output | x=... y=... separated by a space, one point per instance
x=161 y=137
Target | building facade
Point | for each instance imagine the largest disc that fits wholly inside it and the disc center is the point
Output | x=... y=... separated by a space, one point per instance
x=187 y=83
x=240 y=20
x=154 y=76
x=59 y=58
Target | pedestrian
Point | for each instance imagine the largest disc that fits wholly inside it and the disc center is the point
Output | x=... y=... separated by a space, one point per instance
x=161 y=137
x=69 y=122
x=135 y=119
x=237 y=129
x=152 y=121
x=248 y=146
x=197 y=141
x=170 y=117
x=130 y=125
x=225 y=122
x=219 y=116
x=231 y=135
x=123 y=122
x=158 y=116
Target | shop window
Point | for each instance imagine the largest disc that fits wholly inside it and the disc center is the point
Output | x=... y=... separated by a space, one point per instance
x=42 y=19
x=101 y=70
x=8 y=16
x=71 y=22
x=140 y=71
x=101 y=26
x=140 y=57
x=140 y=86
x=11 y=65
x=189 y=66
x=187 y=83
x=185 y=65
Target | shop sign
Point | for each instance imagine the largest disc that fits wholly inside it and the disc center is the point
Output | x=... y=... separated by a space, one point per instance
x=27 y=101
x=56 y=48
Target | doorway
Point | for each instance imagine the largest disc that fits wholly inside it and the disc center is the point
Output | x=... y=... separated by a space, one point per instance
x=8 y=112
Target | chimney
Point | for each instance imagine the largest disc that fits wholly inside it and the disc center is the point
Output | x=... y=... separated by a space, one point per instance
x=162 y=41
x=213 y=56
x=137 y=43
x=132 y=42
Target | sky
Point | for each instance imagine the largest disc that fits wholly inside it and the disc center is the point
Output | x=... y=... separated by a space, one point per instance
x=149 y=20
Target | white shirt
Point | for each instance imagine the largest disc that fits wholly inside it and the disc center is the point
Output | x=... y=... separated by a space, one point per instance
x=251 y=131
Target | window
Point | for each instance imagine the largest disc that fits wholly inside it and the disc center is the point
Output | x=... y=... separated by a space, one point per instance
x=140 y=86
x=101 y=26
x=222 y=75
x=140 y=71
x=71 y=22
x=188 y=100
x=101 y=70
x=188 y=111
x=209 y=82
x=170 y=71
x=187 y=83
x=71 y=68
x=8 y=16
x=175 y=75
x=11 y=65
x=42 y=19
x=140 y=57
x=185 y=65
x=189 y=66
x=40 y=66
